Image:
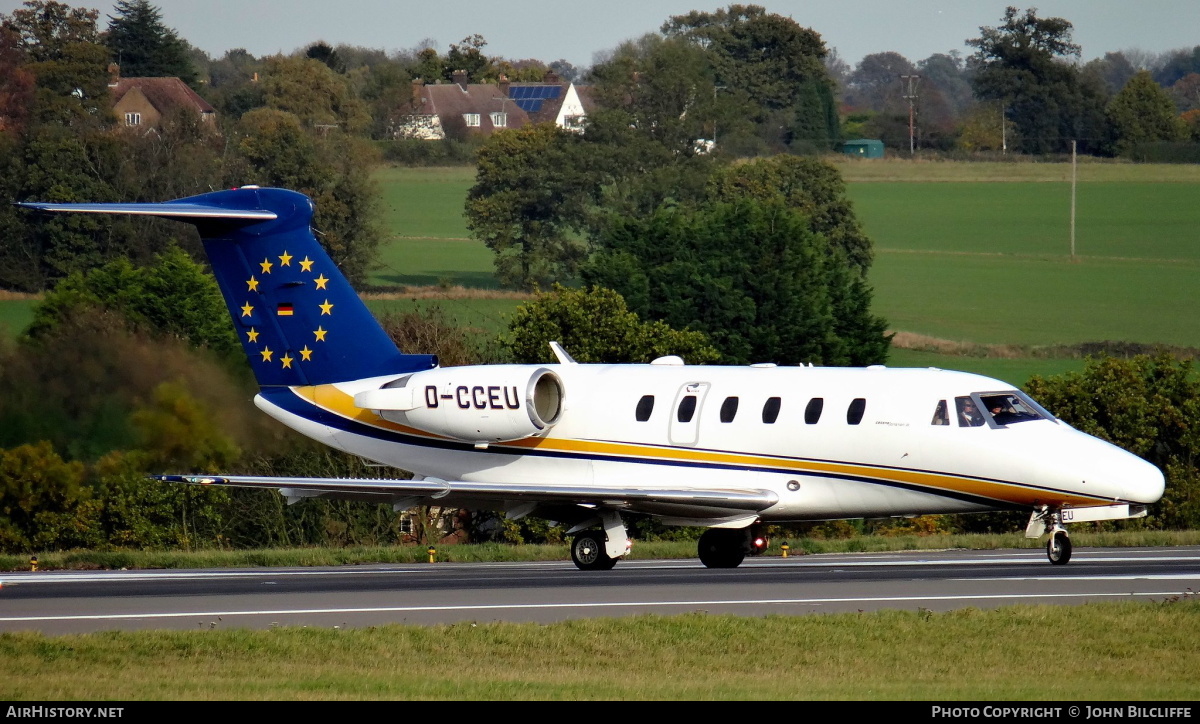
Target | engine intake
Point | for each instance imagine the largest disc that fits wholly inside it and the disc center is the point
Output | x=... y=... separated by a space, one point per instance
x=494 y=403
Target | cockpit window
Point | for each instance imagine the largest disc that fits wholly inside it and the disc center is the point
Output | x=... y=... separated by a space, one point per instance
x=968 y=414
x=940 y=414
x=1007 y=408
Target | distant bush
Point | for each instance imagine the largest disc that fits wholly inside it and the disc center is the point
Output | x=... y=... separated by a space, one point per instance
x=1165 y=152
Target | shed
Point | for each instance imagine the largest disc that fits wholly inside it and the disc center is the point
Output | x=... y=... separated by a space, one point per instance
x=863 y=148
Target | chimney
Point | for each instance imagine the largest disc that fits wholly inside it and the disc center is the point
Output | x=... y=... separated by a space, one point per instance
x=504 y=84
x=114 y=74
x=551 y=78
x=417 y=86
x=460 y=77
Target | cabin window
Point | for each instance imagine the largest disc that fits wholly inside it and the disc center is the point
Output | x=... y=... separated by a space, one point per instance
x=471 y=119
x=1008 y=408
x=968 y=413
x=499 y=120
x=729 y=409
x=133 y=119
x=812 y=412
x=941 y=416
x=687 y=408
x=645 y=406
x=854 y=413
x=771 y=410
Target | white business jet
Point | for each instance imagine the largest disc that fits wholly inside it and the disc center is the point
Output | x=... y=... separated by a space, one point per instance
x=727 y=448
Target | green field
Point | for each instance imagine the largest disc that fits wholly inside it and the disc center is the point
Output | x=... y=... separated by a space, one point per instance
x=1117 y=652
x=427 y=239
x=15 y=315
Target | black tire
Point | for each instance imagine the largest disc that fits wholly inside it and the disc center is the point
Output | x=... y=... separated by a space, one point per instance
x=722 y=548
x=587 y=551
x=1058 y=548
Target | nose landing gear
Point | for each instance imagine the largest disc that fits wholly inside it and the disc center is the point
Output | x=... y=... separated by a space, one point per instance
x=1058 y=548
x=1050 y=520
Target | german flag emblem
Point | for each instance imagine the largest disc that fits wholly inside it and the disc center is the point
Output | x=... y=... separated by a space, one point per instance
x=284 y=309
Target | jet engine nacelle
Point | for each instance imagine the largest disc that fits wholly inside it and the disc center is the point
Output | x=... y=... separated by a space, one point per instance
x=496 y=403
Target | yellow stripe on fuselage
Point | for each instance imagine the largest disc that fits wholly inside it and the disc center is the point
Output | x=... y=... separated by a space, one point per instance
x=331 y=399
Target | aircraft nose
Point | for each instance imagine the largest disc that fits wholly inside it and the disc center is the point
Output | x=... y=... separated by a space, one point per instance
x=1144 y=482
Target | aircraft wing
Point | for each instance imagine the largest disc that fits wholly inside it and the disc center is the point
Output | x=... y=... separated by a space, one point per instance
x=691 y=502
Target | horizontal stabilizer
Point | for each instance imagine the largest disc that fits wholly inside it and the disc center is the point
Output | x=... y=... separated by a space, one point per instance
x=170 y=210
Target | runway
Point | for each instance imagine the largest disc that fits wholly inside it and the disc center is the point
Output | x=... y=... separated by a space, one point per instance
x=58 y=602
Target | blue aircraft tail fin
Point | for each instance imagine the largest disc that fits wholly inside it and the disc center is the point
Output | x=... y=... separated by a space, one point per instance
x=299 y=320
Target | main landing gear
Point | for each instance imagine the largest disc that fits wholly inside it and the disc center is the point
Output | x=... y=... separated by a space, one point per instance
x=599 y=550
x=1049 y=520
x=728 y=547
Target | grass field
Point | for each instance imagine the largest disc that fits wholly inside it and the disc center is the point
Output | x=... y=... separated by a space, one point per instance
x=15 y=315
x=1128 y=652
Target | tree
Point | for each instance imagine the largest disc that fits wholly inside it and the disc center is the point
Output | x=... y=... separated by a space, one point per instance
x=1020 y=64
x=143 y=46
x=812 y=187
x=595 y=326
x=467 y=55
x=1113 y=70
x=875 y=83
x=16 y=84
x=527 y=204
x=44 y=504
x=665 y=88
x=47 y=28
x=1148 y=405
x=752 y=275
x=1186 y=92
x=59 y=45
x=772 y=68
x=1178 y=64
x=323 y=52
x=313 y=93
x=1143 y=113
x=174 y=296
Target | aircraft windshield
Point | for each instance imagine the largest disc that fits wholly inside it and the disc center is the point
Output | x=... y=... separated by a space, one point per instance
x=1007 y=408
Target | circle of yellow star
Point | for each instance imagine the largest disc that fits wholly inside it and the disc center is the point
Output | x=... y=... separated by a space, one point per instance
x=266 y=354
x=321 y=281
x=306 y=264
x=252 y=283
x=320 y=333
x=266 y=266
x=287 y=361
x=326 y=308
x=252 y=334
x=285 y=259
x=305 y=354
x=247 y=310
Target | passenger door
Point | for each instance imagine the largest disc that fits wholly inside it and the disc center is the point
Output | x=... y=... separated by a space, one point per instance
x=684 y=423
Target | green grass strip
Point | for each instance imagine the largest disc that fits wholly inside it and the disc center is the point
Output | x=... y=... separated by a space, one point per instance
x=1113 y=651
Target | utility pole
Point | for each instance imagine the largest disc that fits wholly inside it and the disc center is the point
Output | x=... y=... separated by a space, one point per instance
x=911 y=96
x=1073 y=177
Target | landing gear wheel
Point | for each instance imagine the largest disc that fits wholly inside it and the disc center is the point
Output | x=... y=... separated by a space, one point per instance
x=722 y=548
x=587 y=551
x=1058 y=548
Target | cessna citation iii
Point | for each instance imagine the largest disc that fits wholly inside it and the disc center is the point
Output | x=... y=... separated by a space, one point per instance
x=727 y=448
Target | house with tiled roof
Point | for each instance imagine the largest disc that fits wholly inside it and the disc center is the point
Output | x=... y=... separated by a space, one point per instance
x=484 y=108
x=145 y=101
